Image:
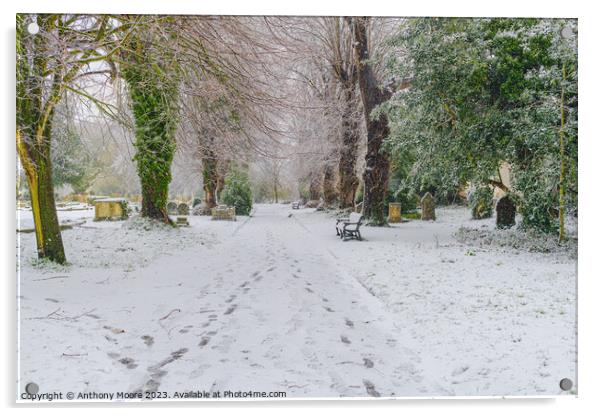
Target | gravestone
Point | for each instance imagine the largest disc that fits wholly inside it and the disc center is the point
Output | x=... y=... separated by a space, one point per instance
x=183 y=209
x=109 y=209
x=505 y=213
x=427 y=205
x=394 y=212
x=172 y=208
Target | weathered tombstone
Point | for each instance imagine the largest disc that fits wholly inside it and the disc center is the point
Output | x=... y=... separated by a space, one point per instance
x=182 y=221
x=394 y=212
x=172 y=208
x=505 y=212
x=427 y=204
x=183 y=209
x=202 y=209
x=109 y=209
x=312 y=203
x=223 y=212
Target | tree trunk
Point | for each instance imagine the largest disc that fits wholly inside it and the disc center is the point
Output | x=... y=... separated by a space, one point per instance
x=35 y=111
x=38 y=170
x=314 y=187
x=155 y=175
x=223 y=166
x=210 y=170
x=376 y=175
x=348 y=181
x=210 y=183
x=152 y=81
x=330 y=195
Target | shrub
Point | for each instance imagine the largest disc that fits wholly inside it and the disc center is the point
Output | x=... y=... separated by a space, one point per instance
x=480 y=201
x=539 y=210
x=406 y=196
x=237 y=192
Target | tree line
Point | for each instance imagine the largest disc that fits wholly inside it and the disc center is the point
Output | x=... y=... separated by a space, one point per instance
x=355 y=109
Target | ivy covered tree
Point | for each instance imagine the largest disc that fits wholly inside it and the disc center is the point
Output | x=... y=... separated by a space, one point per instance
x=151 y=72
x=485 y=92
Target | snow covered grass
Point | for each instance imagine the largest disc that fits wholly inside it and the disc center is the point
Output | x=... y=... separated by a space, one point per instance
x=518 y=239
x=277 y=302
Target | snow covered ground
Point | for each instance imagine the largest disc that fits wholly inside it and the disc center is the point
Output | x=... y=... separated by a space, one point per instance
x=277 y=302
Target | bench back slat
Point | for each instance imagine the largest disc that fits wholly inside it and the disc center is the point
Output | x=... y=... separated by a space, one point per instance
x=354 y=217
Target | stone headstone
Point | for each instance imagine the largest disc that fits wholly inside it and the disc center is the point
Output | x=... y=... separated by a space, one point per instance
x=202 y=209
x=172 y=208
x=183 y=209
x=427 y=204
x=505 y=211
x=394 y=212
x=312 y=203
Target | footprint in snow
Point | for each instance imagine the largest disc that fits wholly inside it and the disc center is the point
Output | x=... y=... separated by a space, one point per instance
x=128 y=362
x=371 y=389
x=460 y=370
x=230 y=310
x=204 y=341
x=148 y=340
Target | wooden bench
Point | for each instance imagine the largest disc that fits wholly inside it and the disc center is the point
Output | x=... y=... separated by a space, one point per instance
x=350 y=227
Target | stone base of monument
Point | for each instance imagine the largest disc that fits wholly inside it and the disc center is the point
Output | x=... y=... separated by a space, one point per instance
x=224 y=213
x=110 y=209
x=182 y=222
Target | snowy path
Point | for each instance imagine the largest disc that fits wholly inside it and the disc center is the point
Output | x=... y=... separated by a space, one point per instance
x=290 y=321
x=275 y=303
x=265 y=311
